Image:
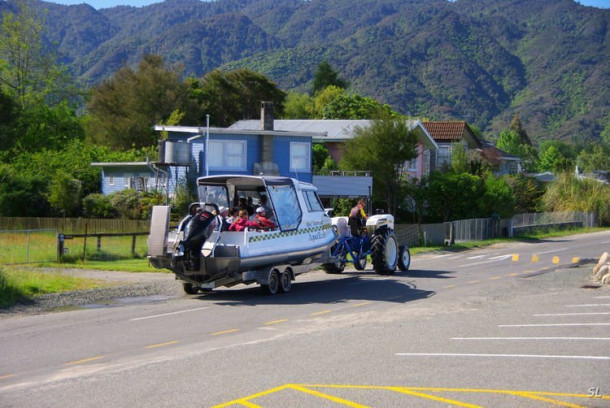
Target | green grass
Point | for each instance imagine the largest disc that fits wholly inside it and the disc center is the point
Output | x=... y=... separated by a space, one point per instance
x=21 y=285
x=33 y=246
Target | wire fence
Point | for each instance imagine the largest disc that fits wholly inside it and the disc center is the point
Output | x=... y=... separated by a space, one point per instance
x=48 y=245
x=27 y=246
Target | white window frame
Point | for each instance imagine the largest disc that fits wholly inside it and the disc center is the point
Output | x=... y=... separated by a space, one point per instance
x=294 y=157
x=225 y=156
x=445 y=158
x=111 y=180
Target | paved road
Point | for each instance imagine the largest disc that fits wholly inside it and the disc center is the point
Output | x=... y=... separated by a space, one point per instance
x=508 y=326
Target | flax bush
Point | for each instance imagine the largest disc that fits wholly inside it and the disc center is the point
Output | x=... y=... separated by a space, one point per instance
x=568 y=193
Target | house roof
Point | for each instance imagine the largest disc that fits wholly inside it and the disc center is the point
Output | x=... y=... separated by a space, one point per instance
x=485 y=145
x=199 y=131
x=452 y=131
x=337 y=130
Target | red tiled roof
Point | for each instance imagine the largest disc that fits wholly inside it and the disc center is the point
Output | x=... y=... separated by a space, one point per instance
x=443 y=131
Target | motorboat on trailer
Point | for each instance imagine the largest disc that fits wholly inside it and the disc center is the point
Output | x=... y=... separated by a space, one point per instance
x=204 y=255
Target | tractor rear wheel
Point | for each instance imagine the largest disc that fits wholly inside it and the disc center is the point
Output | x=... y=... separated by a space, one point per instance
x=384 y=252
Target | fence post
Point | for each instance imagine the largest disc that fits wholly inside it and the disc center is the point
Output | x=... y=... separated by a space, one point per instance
x=60 y=246
x=99 y=243
x=133 y=244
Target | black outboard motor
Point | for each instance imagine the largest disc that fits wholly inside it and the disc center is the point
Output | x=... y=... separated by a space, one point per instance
x=198 y=229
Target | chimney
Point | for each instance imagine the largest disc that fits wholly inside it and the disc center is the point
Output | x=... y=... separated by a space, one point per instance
x=266 y=124
x=266 y=115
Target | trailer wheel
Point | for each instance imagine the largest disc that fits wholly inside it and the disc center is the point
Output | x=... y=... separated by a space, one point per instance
x=273 y=284
x=334 y=268
x=404 y=258
x=360 y=263
x=384 y=252
x=285 y=281
x=189 y=288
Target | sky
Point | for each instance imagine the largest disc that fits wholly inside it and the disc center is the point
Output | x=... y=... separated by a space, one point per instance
x=98 y=4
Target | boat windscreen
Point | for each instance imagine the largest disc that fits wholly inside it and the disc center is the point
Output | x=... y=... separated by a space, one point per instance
x=214 y=194
x=286 y=205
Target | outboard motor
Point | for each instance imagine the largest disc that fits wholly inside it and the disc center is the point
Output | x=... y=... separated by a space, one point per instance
x=197 y=230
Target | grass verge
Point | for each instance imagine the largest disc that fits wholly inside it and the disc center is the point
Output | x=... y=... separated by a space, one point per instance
x=21 y=285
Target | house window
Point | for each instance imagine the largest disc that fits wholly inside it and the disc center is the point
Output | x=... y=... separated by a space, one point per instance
x=111 y=181
x=227 y=155
x=443 y=156
x=300 y=157
x=127 y=182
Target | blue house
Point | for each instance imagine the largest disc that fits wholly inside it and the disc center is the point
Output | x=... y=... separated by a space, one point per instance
x=183 y=156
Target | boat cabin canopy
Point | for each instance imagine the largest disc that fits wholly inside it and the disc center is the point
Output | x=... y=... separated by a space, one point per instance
x=281 y=192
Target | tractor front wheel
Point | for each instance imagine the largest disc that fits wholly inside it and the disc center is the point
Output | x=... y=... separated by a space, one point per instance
x=384 y=252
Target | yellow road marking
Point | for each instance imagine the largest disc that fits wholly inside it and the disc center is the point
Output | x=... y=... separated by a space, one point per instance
x=276 y=321
x=362 y=304
x=475 y=281
x=4 y=377
x=575 y=259
x=495 y=277
x=414 y=391
x=249 y=404
x=85 y=360
x=320 y=313
x=327 y=397
x=244 y=401
x=224 y=332
x=512 y=274
x=515 y=257
x=552 y=401
x=555 y=259
x=449 y=286
x=432 y=397
x=161 y=344
x=535 y=258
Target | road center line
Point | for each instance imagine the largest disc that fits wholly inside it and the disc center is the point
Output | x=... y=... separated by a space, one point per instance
x=224 y=332
x=168 y=314
x=276 y=322
x=552 y=251
x=152 y=346
x=85 y=360
x=554 y=325
x=502 y=355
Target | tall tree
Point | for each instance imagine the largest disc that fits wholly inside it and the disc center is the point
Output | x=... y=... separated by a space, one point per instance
x=382 y=148
x=124 y=108
x=28 y=69
x=517 y=127
x=356 y=107
x=230 y=96
x=326 y=76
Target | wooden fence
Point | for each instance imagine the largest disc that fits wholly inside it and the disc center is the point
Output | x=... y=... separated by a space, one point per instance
x=74 y=225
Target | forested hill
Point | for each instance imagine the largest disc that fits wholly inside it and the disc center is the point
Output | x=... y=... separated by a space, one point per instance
x=479 y=60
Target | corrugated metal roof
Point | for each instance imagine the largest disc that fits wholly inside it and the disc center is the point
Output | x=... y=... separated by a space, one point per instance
x=337 y=130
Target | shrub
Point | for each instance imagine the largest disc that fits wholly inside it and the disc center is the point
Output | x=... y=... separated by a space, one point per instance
x=98 y=206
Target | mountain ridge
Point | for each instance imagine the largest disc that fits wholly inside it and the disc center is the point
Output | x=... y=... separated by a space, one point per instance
x=476 y=60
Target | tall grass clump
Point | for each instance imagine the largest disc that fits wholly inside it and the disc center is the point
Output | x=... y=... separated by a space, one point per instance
x=569 y=193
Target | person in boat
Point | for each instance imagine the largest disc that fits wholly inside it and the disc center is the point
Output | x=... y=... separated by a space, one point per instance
x=242 y=222
x=264 y=204
x=243 y=205
x=223 y=212
x=357 y=219
x=264 y=222
x=232 y=215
